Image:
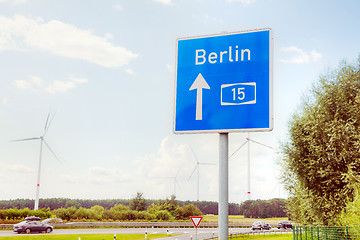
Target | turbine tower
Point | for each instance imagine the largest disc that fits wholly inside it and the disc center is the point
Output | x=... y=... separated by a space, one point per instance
x=175 y=181
x=198 y=172
x=248 y=140
x=42 y=141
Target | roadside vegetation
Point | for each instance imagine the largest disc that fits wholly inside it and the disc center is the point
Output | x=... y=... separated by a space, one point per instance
x=136 y=209
x=284 y=236
x=166 y=210
x=321 y=157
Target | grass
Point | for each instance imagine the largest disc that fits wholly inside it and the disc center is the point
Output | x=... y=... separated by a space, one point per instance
x=84 y=237
x=284 y=236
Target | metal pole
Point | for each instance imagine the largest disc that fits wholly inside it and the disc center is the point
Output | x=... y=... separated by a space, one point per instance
x=36 y=204
x=223 y=186
x=198 y=181
x=249 y=192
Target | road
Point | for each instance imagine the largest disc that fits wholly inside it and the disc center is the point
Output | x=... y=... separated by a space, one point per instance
x=181 y=233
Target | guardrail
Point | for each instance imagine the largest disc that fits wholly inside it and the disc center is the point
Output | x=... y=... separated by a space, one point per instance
x=136 y=225
x=147 y=224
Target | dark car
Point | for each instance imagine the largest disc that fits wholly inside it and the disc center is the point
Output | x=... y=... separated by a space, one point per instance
x=260 y=225
x=284 y=224
x=29 y=226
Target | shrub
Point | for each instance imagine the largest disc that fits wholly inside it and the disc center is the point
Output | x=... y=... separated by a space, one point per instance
x=163 y=215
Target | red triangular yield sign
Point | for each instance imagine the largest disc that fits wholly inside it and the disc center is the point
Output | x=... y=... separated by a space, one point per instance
x=196 y=220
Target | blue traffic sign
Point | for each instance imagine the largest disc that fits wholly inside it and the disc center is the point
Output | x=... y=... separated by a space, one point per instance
x=224 y=83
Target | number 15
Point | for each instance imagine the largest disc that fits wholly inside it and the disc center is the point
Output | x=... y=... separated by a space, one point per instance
x=240 y=93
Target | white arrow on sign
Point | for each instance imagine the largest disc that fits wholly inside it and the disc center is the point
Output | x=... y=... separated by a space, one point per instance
x=199 y=84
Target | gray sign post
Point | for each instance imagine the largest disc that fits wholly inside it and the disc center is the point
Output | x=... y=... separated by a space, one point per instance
x=223 y=186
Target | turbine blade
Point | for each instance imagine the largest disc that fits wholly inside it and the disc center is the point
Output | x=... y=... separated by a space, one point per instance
x=25 y=139
x=193 y=171
x=239 y=148
x=197 y=160
x=260 y=143
x=48 y=126
x=47 y=119
x=207 y=163
x=47 y=145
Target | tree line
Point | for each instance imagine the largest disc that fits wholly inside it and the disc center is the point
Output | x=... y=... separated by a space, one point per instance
x=264 y=208
x=137 y=209
x=206 y=207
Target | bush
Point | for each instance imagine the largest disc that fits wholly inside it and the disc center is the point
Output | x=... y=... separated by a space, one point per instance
x=143 y=215
x=163 y=215
x=191 y=210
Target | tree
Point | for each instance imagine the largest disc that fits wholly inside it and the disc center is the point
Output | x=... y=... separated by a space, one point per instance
x=138 y=203
x=323 y=148
x=191 y=210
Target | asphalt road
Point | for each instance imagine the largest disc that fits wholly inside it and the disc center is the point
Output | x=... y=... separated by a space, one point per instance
x=181 y=233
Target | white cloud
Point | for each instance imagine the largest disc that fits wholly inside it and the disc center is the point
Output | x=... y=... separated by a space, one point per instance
x=14 y=1
x=101 y=175
x=157 y=172
x=299 y=56
x=100 y=171
x=169 y=158
x=70 y=179
x=5 y=100
x=78 y=80
x=209 y=19
x=61 y=39
x=18 y=168
x=244 y=2
x=38 y=84
x=165 y=2
x=129 y=71
x=117 y=158
x=170 y=68
x=118 y=7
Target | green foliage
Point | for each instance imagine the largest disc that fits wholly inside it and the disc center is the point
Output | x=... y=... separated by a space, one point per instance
x=207 y=207
x=163 y=215
x=138 y=203
x=14 y=213
x=324 y=148
x=175 y=211
x=191 y=210
x=350 y=215
x=120 y=207
x=263 y=208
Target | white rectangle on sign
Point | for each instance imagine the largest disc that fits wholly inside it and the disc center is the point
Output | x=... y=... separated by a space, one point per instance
x=238 y=93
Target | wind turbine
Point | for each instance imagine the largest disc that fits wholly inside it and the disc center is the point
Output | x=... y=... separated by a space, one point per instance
x=248 y=140
x=42 y=141
x=175 y=181
x=198 y=172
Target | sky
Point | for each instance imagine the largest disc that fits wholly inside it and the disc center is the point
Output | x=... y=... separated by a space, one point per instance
x=105 y=71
